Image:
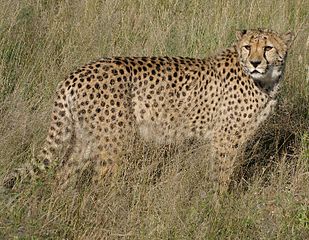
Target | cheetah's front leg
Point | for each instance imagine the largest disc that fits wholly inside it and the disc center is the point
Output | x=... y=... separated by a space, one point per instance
x=226 y=149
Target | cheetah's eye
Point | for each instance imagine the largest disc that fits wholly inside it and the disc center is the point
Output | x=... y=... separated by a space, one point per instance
x=248 y=47
x=267 y=48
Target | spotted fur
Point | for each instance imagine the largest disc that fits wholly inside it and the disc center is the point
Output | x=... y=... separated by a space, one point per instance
x=222 y=99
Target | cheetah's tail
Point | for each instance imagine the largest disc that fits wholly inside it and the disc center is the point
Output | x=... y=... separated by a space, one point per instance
x=60 y=132
x=28 y=170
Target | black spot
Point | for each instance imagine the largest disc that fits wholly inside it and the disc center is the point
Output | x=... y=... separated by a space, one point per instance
x=59 y=124
x=115 y=72
x=228 y=75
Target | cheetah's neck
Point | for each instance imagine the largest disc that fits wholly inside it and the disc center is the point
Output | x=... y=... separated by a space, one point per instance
x=270 y=83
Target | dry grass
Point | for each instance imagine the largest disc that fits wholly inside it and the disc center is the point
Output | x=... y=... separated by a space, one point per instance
x=42 y=41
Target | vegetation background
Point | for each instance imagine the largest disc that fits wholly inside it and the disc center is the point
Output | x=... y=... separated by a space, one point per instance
x=42 y=41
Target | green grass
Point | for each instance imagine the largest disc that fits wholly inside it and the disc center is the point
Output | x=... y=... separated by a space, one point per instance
x=43 y=41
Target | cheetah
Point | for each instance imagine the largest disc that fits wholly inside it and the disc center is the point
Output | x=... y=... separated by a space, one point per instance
x=222 y=99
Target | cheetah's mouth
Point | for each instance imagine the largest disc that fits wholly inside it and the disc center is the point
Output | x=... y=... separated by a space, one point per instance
x=257 y=74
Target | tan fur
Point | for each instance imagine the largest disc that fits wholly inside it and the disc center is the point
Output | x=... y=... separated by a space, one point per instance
x=222 y=99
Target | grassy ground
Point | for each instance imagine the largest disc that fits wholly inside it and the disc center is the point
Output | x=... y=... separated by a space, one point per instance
x=42 y=41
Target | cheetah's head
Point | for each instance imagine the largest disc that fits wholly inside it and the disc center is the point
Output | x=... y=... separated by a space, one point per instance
x=262 y=53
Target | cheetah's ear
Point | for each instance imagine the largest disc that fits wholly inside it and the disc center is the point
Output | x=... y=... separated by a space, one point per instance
x=240 y=34
x=288 y=38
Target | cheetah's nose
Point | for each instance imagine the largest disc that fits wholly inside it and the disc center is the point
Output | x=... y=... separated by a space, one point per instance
x=255 y=63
